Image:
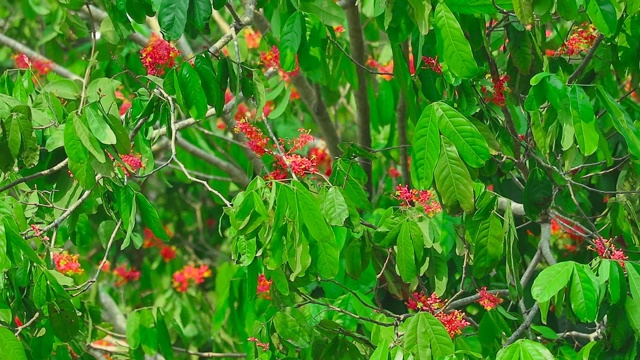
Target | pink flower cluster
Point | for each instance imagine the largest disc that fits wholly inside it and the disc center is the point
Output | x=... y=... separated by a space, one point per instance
x=264 y=287
x=158 y=55
x=453 y=321
x=607 y=250
x=190 y=274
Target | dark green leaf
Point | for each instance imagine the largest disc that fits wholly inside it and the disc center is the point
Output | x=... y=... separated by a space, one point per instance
x=200 y=12
x=470 y=144
x=64 y=319
x=290 y=40
x=406 y=255
x=537 y=192
x=488 y=246
x=568 y=9
x=191 y=89
x=150 y=218
x=172 y=16
x=603 y=15
x=426 y=146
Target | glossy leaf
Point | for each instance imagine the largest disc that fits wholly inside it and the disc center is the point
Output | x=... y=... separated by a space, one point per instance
x=471 y=146
x=98 y=125
x=426 y=146
x=453 y=180
x=603 y=15
x=172 y=16
x=424 y=335
x=488 y=246
x=551 y=280
x=200 y=12
x=524 y=349
x=11 y=346
x=150 y=218
x=583 y=294
x=191 y=88
x=584 y=121
x=452 y=45
x=290 y=41
x=405 y=254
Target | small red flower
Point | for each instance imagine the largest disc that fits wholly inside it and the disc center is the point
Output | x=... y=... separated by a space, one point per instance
x=38 y=233
x=168 y=253
x=424 y=198
x=67 y=264
x=18 y=321
x=271 y=59
x=433 y=64
x=487 y=299
x=39 y=67
x=264 y=287
x=252 y=38
x=338 y=29
x=394 y=173
x=125 y=275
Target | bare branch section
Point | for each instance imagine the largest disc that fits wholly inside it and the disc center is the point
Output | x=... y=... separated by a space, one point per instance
x=357 y=47
x=21 y=48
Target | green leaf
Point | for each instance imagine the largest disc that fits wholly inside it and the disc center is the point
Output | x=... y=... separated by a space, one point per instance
x=259 y=93
x=521 y=49
x=426 y=146
x=551 y=280
x=88 y=140
x=537 y=192
x=209 y=82
x=200 y=12
x=617 y=283
x=150 y=218
x=568 y=9
x=290 y=40
x=64 y=319
x=633 y=273
x=426 y=335
x=603 y=15
x=191 y=88
x=475 y=7
x=422 y=12
x=524 y=12
x=453 y=180
x=471 y=146
x=584 y=120
x=632 y=308
x=164 y=339
x=526 y=350
x=583 y=294
x=293 y=327
x=14 y=137
x=98 y=125
x=148 y=332
x=172 y=16
x=63 y=88
x=133 y=330
x=452 y=45
x=405 y=258
x=328 y=11
x=334 y=207
x=621 y=121
x=11 y=347
x=19 y=242
x=382 y=351
x=488 y=246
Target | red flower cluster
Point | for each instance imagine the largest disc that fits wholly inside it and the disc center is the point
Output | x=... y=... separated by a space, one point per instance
x=580 y=41
x=453 y=321
x=124 y=275
x=190 y=273
x=259 y=144
x=134 y=162
x=607 y=250
x=264 y=287
x=167 y=252
x=271 y=59
x=321 y=157
x=126 y=103
x=158 y=55
x=264 y=346
x=487 y=299
x=394 y=173
x=388 y=68
x=67 y=264
x=424 y=198
x=433 y=64
x=498 y=97
x=39 y=67
x=253 y=38
x=339 y=29
x=570 y=235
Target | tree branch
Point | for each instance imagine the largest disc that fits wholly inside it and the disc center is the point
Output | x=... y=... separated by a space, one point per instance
x=32 y=54
x=402 y=130
x=357 y=48
x=37 y=175
x=583 y=65
x=517 y=209
x=528 y=320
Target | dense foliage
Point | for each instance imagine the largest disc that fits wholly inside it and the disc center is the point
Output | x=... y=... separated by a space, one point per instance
x=316 y=179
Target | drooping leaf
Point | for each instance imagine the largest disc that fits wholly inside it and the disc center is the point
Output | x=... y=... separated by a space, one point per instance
x=452 y=45
x=11 y=346
x=453 y=180
x=524 y=12
x=537 y=192
x=200 y=12
x=424 y=335
x=584 y=121
x=191 y=89
x=172 y=17
x=150 y=217
x=422 y=13
x=88 y=140
x=290 y=40
x=603 y=15
x=98 y=125
x=406 y=255
x=334 y=207
x=488 y=246
x=551 y=280
x=426 y=146
x=583 y=294
x=471 y=146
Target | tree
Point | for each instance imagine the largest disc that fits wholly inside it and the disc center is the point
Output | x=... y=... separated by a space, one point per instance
x=312 y=179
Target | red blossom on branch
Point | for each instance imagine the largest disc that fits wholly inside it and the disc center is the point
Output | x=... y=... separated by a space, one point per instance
x=433 y=64
x=487 y=299
x=453 y=321
x=264 y=287
x=606 y=249
x=158 y=55
x=271 y=59
x=424 y=198
x=125 y=275
x=39 y=67
x=66 y=263
x=253 y=38
x=190 y=274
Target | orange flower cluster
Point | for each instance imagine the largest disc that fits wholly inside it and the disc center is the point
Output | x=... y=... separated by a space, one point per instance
x=487 y=299
x=167 y=252
x=39 y=67
x=253 y=38
x=264 y=287
x=453 y=321
x=66 y=263
x=579 y=42
x=125 y=275
x=570 y=235
x=190 y=274
x=158 y=55
x=424 y=198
